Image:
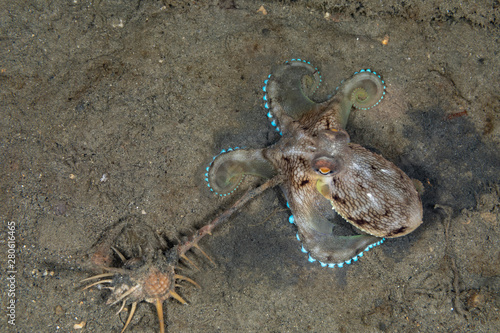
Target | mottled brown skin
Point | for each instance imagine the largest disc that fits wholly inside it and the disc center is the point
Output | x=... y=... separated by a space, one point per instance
x=379 y=199
x=365 y=189
x=319 y=163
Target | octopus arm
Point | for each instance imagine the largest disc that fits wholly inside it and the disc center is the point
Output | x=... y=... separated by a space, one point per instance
x=288 y=90
x=318 y=233
x=364 y=90
x=228 y=169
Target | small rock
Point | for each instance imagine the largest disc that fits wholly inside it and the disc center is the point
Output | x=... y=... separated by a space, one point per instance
x=262 y=10
x=59 y=310
x=80 y=325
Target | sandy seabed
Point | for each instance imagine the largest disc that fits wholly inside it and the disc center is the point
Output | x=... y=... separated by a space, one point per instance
x=112 y=110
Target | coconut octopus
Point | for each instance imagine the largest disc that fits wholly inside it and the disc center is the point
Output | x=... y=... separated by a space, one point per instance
x=320 y=165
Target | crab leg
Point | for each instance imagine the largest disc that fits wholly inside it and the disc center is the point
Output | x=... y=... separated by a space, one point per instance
x=159 y=310
x=132 y=311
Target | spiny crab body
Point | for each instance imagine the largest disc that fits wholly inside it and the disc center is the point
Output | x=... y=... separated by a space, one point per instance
x=150 y=277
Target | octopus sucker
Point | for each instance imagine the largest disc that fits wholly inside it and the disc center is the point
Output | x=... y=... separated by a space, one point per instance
x=320 y=165
x=365 y=88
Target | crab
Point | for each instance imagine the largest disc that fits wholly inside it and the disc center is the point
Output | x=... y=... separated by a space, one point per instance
x=150 y=276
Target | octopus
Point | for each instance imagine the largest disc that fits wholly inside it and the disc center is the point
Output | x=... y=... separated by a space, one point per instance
x=322 y=168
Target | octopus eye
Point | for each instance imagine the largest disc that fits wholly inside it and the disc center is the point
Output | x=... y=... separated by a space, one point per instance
x=324 y=171
x=327 y=166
